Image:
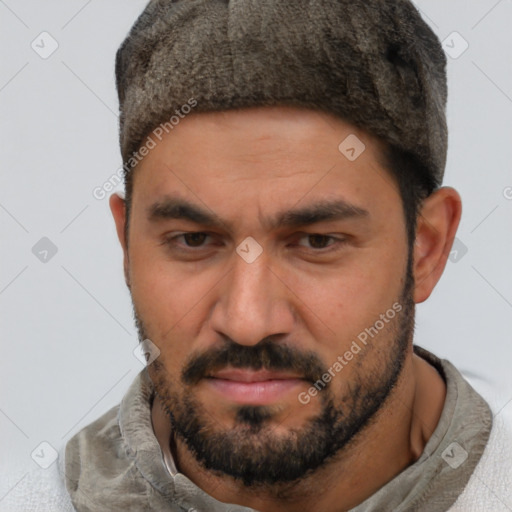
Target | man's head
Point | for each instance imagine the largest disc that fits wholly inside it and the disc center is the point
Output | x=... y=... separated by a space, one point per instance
x=374 y=64
x=301 y=269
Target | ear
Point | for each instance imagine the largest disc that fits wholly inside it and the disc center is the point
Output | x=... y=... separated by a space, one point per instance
x=435 y=231
x=118 y=209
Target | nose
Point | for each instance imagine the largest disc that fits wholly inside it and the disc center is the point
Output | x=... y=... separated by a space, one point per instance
x=253 y=302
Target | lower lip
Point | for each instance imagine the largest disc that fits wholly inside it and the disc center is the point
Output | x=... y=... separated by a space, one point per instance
x=257 y=393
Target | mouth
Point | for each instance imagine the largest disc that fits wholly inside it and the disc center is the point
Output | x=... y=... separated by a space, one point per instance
x=254 y=387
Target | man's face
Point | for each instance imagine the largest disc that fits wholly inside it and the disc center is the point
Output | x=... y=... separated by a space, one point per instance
x=243 y=335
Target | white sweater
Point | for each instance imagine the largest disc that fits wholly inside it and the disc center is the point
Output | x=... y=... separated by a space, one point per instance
x=488 y=490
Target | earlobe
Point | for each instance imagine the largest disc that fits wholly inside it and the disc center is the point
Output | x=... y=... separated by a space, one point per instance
x=435 y=231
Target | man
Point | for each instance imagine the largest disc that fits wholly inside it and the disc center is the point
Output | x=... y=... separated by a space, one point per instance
x=283 y=215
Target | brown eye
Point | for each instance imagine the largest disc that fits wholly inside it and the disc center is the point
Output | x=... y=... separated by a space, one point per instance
x=194 y=239
x=184 y=241
x=318 y=241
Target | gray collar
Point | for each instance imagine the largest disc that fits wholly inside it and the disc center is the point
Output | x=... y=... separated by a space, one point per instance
x=435 y=481
x=134 y=418
x=432 y=483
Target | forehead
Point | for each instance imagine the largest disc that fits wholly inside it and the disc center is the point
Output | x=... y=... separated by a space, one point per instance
x=266 y=158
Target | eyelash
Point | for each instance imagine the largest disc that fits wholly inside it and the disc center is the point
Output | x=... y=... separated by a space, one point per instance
x=172 y=241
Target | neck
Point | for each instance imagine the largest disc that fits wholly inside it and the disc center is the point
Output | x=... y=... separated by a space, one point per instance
x=394 y=439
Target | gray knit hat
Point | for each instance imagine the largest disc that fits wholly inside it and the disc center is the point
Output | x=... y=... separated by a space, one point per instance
x=373 y=63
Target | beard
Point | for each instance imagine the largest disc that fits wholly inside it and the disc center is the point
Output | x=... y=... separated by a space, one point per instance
x=252 y=451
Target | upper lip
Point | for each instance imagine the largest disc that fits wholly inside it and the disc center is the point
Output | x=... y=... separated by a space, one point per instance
x=244 y=375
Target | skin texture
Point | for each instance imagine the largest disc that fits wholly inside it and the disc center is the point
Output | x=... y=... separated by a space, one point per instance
x=312 y=299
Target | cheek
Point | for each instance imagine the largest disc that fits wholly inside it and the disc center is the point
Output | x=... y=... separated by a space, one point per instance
x=171 y=303
x=159 y=288
x=344 y=301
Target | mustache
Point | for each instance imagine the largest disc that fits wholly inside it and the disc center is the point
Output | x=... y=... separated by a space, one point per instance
x=266 y=355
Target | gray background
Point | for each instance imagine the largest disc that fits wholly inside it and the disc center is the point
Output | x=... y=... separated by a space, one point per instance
x=66 y=323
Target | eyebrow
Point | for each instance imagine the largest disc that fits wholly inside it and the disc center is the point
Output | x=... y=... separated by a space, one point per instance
x=324 y=210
